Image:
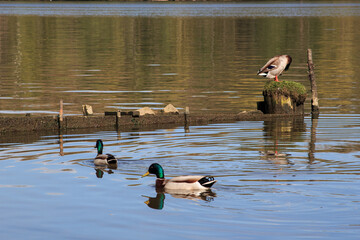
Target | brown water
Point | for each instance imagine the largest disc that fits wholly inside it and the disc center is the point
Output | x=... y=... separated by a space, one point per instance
x=208 y=63
x=130 y=55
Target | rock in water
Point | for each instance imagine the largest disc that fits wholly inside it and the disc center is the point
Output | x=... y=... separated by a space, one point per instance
x=145 y=110
x=170 y=109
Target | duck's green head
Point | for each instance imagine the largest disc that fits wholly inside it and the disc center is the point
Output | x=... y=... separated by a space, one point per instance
x=99 y=146
x=156 y=169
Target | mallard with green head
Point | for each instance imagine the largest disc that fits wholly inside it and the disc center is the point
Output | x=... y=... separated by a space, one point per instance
x=180 y=182
x=103 y=159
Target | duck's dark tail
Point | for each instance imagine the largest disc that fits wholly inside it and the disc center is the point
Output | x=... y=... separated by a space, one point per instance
x=207 y=181
x=111 y=159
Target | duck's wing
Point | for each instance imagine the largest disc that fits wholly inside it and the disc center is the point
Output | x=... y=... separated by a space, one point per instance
x=110 y=156
x=185 y=179
x=271 y=64
x=101 y=156
x=205 y=181
x=100 y=159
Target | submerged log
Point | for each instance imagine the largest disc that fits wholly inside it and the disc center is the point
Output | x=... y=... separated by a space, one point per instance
x=47 y=123
x=285 y=97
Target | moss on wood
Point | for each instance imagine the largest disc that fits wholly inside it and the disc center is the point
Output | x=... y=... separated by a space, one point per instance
x=296 y=91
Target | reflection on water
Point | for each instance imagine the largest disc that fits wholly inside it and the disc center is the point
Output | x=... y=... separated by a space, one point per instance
x=206 y=195
x=101 y=170
x=276 y=157
x=207 y=63
x=278 y=131
x=52 y=180
x=312 y=147
x=158 y=202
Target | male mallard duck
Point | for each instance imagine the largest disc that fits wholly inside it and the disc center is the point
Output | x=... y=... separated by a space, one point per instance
x=103 y=159
x=181 y=182
x=275 y=66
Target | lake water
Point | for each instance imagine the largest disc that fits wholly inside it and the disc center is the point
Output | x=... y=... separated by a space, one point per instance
x=130 y=55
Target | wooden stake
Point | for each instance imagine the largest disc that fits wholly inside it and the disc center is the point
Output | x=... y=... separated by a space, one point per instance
x=61 y=113
x=314 y=96
x=187 y=110
x=118 y=116
x=186 y=114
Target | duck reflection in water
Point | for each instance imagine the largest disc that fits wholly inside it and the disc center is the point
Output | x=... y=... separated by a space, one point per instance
x=283 y=131
x=158 y=202
x=276 y=157
x=100 y=171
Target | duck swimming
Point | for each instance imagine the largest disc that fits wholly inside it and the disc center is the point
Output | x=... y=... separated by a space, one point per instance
x=103 y=159
x=180 y=182
x=275 y=66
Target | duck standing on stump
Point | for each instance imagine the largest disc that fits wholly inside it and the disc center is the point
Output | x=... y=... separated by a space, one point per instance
x=275 y=66
x=103 y=159
x=187 y=183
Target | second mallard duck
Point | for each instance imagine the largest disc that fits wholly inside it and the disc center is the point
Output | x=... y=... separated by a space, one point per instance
x=103 y=159
x=181 y=182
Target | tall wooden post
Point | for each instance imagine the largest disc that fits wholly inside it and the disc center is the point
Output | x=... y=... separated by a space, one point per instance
x=61 y=115
x=61 y=112
x=118 y=116
x=315 y=110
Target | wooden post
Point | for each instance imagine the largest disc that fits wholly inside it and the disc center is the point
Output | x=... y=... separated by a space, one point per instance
x=61 y=115
x=61 y=112
x=186 y=114
x=315 y=110
x=118 y=116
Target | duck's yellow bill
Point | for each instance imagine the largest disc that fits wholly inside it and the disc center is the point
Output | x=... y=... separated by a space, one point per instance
x=147 y=173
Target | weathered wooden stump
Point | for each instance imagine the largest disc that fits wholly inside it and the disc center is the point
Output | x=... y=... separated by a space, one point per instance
x=285 y=97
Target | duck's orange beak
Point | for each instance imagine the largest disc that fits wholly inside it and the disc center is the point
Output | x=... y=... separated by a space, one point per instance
x=147 y=173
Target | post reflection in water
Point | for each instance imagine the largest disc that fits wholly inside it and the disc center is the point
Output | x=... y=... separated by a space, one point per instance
x=314 y=124
x=158 y=202
x=280 y=132
x=61 y=145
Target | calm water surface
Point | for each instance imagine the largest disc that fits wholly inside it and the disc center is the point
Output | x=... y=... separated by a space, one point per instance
x=126 y=56
x=189 y=55
x=51 y=189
